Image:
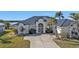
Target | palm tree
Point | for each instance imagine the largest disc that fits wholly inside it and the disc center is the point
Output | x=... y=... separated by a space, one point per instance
x=75 y=16
x=60 y=16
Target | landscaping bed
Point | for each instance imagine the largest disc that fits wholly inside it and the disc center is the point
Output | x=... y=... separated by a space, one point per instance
x=10 y=40
x=67 y=43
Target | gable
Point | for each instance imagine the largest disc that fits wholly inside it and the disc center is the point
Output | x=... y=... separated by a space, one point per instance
x=40 y=20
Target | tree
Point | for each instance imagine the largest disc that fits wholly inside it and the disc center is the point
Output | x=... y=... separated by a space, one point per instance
x=54 y=22
x=60 y=16
x=7 y=25
x=2 y=21
x=75 y=16
x=50 y=22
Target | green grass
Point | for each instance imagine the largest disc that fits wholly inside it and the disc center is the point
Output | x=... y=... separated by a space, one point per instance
x=68 y=43
x=15 y=40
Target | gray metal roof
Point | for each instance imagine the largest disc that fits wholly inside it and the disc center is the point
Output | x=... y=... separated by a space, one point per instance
x=32 y=20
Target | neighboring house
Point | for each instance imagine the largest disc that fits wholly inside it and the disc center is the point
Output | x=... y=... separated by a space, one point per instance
x=68 y=28
x=64 y=25
x=2 y=28
x=35 y=23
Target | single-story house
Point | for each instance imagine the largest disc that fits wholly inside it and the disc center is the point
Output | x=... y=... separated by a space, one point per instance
x=35 y=23
x=68 y=28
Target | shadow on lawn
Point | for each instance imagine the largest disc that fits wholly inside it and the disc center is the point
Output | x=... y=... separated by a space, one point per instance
x=5 y=32
x=73 y=42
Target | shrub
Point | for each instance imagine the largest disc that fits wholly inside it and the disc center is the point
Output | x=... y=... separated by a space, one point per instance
x=49 y=31
x=15 y=31
x=5 y=41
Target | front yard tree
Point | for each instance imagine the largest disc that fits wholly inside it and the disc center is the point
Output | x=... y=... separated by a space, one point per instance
x=7 y=25
x=50 y=22
x=54 y=22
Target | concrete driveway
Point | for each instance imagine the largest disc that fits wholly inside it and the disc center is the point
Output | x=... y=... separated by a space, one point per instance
x=41 y=41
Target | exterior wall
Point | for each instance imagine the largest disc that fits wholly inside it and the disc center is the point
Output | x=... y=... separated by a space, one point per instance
x=76 y=30
x=65 y=31
x=32 y=26
x=26 y=31
x=59 y=30
x=44 y=25
x=19 y=28
x=53 y=28
x=28 y=27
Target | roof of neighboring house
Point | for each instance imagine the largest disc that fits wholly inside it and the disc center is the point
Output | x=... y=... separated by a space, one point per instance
x=65 y=22
x=2 y=24
x=33 y=19
x=13 y=23
x=75 y=22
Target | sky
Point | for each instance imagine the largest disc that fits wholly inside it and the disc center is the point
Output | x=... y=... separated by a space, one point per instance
x=22 y=15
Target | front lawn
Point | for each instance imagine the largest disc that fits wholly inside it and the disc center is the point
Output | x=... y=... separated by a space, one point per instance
x=15 y=41
x=67 y=43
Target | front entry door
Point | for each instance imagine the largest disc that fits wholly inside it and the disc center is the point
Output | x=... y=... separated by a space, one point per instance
x=40 y=28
